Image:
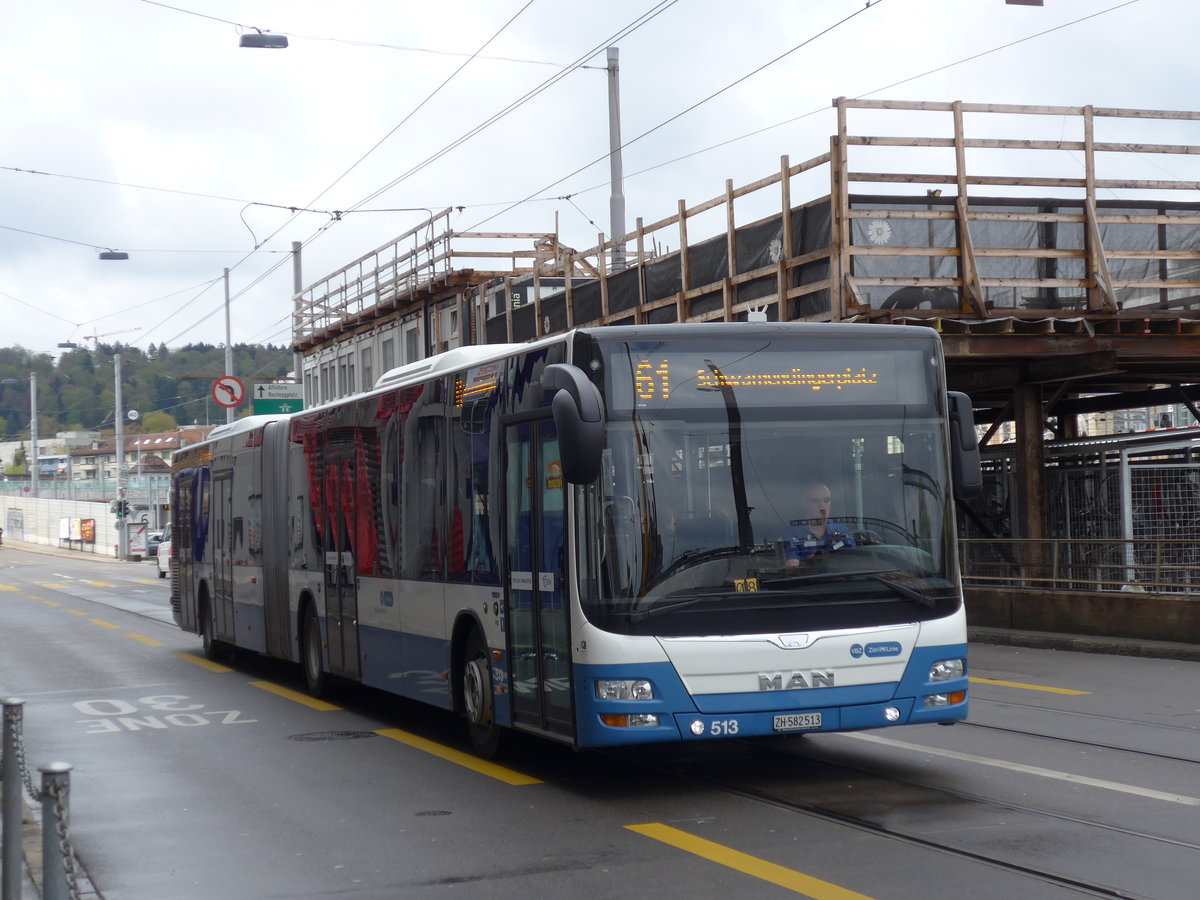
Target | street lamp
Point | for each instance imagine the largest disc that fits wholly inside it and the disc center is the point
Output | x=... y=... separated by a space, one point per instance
x=113 y=254
x=263 y=40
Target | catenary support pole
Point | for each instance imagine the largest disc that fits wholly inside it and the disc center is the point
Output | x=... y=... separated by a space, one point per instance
x=228 y=346
x=616 y=202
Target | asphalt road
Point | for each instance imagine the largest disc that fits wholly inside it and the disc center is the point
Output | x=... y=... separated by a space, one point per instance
x=1077 y=775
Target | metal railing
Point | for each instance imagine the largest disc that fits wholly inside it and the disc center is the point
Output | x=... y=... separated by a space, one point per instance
x=1166 y=566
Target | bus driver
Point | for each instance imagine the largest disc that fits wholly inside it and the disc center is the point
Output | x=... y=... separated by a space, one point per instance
x=814 y=533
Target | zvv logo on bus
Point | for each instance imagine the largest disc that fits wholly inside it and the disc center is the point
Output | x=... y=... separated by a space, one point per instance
x=154 y=713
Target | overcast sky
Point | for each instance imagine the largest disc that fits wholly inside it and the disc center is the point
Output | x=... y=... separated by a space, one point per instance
x=108 y=98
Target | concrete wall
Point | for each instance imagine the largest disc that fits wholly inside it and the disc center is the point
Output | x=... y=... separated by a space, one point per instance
x=1119 y=614
x=36 y=520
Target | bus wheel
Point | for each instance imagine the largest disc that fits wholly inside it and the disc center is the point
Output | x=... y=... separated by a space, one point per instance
x=477 y=695
x=310 y=654
x=213 y=649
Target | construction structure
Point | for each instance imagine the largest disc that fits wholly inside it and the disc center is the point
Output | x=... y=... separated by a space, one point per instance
x=1062 y=280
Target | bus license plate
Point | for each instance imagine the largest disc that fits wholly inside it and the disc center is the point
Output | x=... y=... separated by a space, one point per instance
x=798 y=722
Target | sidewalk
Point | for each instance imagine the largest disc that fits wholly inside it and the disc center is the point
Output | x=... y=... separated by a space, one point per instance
x=31 y=853
x=63 y=552
x=1085 y=643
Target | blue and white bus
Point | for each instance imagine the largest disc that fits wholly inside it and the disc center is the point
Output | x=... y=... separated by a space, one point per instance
x=603 y=537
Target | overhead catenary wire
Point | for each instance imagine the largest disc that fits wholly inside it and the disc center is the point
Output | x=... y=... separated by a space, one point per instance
x=813 y=112
x=533 y=198
x=632 y=26
x=354 y=165
x=325 y=228
x=871 y=4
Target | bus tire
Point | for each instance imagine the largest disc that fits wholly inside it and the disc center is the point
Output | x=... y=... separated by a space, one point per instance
x=213 y=649
x=475 y=680
x=315 y=679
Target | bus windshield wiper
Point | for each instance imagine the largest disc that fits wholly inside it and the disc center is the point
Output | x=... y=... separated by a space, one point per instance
x=902 y=589
x=691 y=598
x=705 y=554
x=880 y=577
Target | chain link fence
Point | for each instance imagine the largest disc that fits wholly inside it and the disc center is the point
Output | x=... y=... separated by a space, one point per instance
x=1122 y=513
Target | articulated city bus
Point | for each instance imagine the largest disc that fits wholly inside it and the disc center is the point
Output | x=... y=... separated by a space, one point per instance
x=614 y=536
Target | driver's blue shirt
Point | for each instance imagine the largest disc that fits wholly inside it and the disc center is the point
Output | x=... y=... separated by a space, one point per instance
x=802 y=543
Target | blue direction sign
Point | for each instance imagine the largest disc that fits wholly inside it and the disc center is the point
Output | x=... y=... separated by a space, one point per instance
x=276 y=397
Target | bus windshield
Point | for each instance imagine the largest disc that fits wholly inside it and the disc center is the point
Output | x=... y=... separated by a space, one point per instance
x=734 y=517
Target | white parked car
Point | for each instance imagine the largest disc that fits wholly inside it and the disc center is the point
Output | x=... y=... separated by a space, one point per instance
x=164 y=553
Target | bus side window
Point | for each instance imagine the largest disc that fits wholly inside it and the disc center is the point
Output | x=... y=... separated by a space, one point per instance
x=429 y=506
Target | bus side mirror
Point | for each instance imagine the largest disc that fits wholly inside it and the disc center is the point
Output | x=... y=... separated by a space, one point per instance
x=579 y=418
x=965 y=468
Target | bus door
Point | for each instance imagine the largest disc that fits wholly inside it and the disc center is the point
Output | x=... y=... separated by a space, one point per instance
x=222 y=518
x=183 y=528
x=275 y=539
x=538 y=607
x=341 y=578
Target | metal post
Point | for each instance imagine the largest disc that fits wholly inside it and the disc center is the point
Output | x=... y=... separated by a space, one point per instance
x=297 y=289
x=228 y=346
x=119 y=412
x=10 y=821
x=616 y=202
x=58 y=868
x=33 y=433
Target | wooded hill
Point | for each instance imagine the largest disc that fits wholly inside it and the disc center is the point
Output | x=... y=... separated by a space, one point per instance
x=167 y=387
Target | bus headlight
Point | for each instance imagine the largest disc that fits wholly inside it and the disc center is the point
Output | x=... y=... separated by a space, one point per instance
x=947 y=669
x=935 y=700
x=633 y=720
x=626 y=689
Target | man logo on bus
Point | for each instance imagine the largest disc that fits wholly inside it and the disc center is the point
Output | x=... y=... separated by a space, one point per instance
x=773 y=681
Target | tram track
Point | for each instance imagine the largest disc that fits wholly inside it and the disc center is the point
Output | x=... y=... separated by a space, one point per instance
x=1141 y=726
x=919 y=795
x=1094 y=745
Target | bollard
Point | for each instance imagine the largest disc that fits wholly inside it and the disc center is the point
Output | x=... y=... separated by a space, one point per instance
x=10 y=819
x=58 y=862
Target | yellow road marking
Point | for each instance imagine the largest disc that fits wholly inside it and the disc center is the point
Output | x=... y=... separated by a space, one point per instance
x=746 y=864
x=10 y=588
x=142 y=639
x=52 y=603
x=76 y=612
x=296 y=696
x=1027 y=687
x=53 y=585
x=103 y=624
x=203 y=663
x=99 y=584
x=146 y=580
x=482 y=766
